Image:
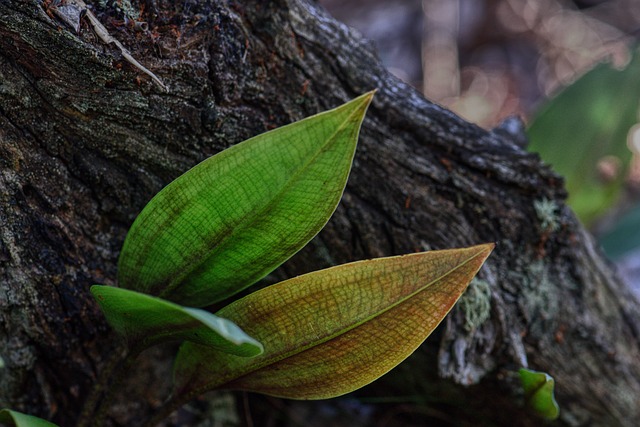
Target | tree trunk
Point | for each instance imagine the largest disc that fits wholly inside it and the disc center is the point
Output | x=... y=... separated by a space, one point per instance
x=86 y=140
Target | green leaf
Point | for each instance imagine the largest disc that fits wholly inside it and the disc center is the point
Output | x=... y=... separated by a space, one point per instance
x=538 y=392
x=145 y=320
x=18 y=419
x=238 y=215
x=588 y=121
x=332 y=331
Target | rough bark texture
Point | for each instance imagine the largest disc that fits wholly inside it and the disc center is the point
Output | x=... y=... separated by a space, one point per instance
x=86 y=140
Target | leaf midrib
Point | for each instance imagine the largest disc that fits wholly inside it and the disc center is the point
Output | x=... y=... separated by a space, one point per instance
x=298 y=350
x=252 y=217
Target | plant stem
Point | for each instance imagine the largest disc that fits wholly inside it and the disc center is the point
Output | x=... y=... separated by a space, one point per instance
x=124 y=368
x=117 y=356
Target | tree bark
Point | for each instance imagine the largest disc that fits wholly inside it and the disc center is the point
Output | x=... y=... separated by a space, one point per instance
x=86 y=140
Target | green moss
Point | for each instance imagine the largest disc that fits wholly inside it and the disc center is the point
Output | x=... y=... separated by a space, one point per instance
x=476 y=304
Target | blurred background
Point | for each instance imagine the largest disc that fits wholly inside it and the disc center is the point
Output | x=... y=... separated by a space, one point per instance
x=568 y=69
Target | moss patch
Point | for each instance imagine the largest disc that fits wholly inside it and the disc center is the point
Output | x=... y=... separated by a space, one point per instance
x=476 y=304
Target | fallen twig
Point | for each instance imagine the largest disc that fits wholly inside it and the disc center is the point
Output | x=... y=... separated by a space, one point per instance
x=81 y=9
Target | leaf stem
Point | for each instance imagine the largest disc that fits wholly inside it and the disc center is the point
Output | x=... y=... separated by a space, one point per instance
x=117 y=356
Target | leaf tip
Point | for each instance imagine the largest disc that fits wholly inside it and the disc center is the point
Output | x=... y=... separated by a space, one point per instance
x=358 y=106
x=366 y=98
x=490 y=247
x=95 y=291
x=484 y=250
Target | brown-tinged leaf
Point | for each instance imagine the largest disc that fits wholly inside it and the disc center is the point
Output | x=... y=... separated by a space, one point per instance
x=332 y=331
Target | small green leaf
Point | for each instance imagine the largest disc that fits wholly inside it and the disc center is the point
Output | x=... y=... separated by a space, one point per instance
x=13 y=418
x=145 y=320
x=332 y=331
x=538 y=392
x=238 y=215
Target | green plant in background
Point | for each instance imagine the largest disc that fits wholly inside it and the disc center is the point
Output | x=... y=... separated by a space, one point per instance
x=230 y=221
x=624 y=237
x=585 y=134
x=587 y=123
